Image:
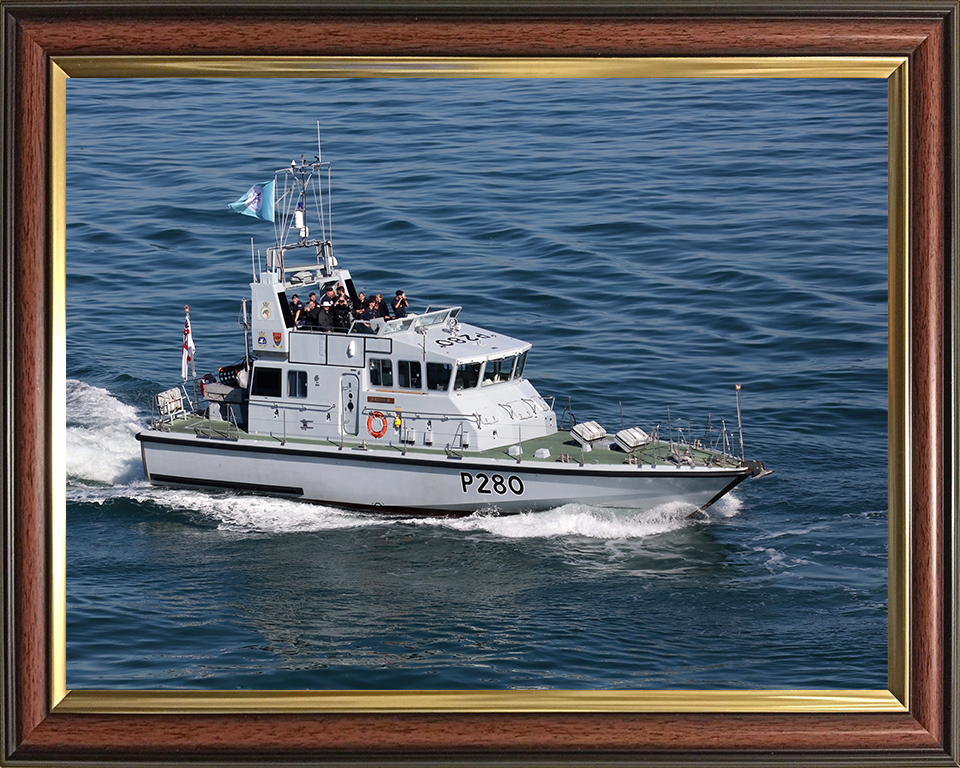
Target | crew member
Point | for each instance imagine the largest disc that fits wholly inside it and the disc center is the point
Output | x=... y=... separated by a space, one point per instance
x=400 y=305
x=382 y=310
x=325 y=321
x=296 y=309
x=342 y=307
x=311 y=315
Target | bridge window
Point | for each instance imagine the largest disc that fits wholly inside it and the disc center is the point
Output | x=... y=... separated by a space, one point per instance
x=381 y=372
x=267 y=382
x=438 y=376
x=496 y=371
x=297 y=383
x=522 y=361
x=468 y=376
x=409 y=374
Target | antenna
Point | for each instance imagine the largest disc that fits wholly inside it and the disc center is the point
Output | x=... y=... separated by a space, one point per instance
x=739 y=422
x=319 y=154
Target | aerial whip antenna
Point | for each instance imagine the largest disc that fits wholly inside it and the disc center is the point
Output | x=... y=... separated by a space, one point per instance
x=739 y=422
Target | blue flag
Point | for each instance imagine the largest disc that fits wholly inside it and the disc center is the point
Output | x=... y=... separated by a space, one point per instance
x=258 y=202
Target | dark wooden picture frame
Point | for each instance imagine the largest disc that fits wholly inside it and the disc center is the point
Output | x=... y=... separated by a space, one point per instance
x=38 y=731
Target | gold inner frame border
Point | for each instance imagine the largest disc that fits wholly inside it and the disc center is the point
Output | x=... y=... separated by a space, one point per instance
x=895 y=699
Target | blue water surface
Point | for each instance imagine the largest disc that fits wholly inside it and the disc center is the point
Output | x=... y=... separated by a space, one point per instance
x=658 y=241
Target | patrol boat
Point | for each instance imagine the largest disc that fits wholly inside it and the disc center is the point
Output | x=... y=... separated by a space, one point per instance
x=424 y=414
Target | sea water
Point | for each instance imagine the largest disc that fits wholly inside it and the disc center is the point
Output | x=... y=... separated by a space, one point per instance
x=658 y=241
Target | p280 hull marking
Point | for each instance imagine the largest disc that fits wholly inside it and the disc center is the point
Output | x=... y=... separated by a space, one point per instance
x=491 y=484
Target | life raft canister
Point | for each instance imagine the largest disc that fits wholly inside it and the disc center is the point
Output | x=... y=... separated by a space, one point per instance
x=381 y=429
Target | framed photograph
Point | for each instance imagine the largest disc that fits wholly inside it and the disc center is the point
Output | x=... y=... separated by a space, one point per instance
x=876 y=691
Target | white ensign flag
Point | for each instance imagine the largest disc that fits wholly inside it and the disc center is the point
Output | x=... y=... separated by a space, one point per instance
x=189 y=350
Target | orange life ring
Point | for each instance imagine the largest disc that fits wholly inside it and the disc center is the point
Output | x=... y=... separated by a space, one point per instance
x=382 y=429
x=208 y=378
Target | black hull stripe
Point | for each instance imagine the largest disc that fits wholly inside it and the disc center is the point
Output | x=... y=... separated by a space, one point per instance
x=518 y=468
x=284 y=490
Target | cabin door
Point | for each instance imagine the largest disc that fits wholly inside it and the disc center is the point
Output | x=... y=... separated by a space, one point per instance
x=350 y=403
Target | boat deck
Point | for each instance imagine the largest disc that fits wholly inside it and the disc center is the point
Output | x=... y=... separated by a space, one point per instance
x=558 y=447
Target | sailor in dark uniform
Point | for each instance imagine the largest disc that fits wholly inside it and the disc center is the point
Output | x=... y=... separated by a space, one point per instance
x=311 y=314
x=296 y=309
x=342 y=307
x=400 y=305
x=325 y=320
x=382 y=309
x=328 y=295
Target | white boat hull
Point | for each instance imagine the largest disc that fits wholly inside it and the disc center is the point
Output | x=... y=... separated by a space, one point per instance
x=432 y=484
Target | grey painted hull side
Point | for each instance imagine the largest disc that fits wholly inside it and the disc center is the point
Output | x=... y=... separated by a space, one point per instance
x=373 y=479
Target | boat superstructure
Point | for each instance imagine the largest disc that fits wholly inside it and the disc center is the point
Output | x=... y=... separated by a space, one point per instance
x=425 y=413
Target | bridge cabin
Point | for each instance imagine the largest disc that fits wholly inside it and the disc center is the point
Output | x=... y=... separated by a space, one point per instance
x=425 y=381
